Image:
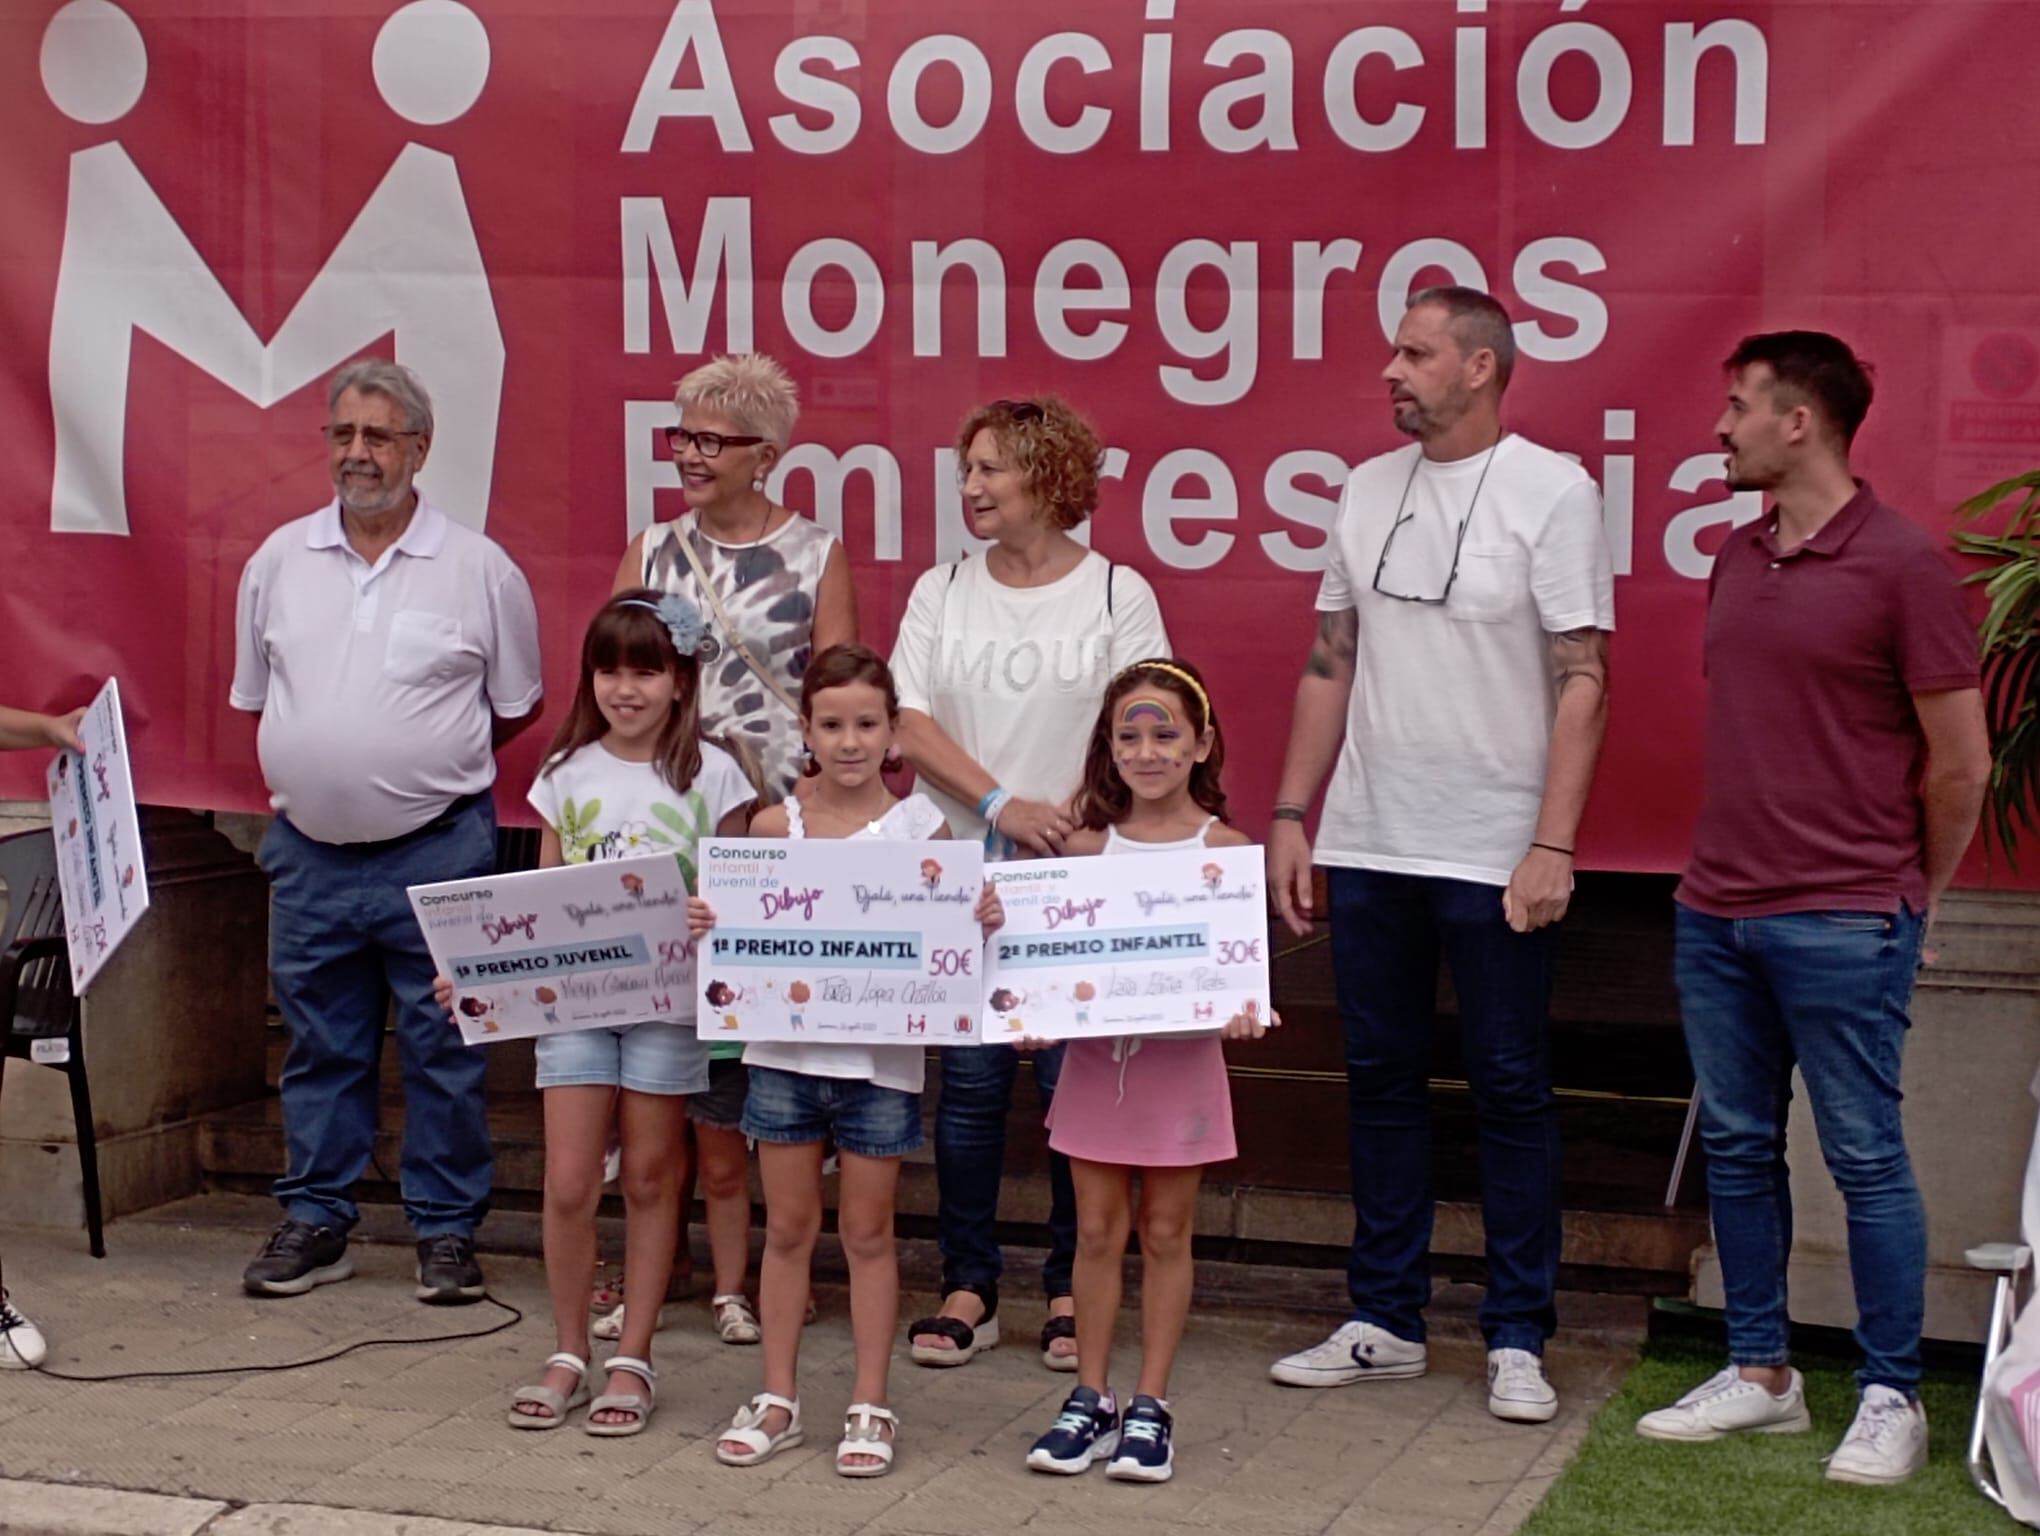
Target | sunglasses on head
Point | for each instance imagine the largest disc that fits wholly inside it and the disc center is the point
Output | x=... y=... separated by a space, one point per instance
x=1019 y=410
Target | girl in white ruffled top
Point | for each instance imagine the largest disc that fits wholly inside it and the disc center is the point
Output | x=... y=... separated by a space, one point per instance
x=866 y=1099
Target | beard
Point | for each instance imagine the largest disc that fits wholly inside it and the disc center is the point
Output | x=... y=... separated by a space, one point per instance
x=367 y=500
x=1415 y=419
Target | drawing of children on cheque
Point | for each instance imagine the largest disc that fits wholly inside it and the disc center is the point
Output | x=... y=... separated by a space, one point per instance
x=1004 y=1000
x=1082 y=993
x=931 y=873
x=1212 y=876
x=478 y=1008
x=634 y=884
x=547 y=998
x=797 y=994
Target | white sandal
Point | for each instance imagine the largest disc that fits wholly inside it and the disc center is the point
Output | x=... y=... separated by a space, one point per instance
x=735 y=1322
x=610 y=1326
x=746 y=1430
x=636 y=1403
x=863 y=1437
x=542 y=1396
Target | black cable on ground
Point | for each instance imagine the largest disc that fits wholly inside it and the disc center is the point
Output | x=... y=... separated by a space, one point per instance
x=511 y=1321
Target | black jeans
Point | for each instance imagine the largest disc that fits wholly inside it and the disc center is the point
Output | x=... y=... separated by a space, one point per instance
x=970 y=1160
x=1387 y=931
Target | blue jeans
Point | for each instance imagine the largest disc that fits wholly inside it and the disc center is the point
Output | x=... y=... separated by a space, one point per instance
x=970 y=1160
x=342 y=943
x=1387 y=933
x=859 y=1116
x=1829 y=991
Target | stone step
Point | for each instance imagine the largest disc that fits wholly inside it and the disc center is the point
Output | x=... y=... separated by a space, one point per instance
x=1638 y=1250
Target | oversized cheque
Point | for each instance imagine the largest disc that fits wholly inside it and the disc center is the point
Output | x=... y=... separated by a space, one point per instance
x=1152 y=943
x=99 y=842
x=872 y=941
x=546 y=951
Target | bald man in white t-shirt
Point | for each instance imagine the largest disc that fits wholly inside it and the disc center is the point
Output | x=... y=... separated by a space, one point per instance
x=1459 y=679
x=389 y=651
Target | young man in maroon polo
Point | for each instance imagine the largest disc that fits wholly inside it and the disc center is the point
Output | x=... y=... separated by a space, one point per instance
x=1846 y=760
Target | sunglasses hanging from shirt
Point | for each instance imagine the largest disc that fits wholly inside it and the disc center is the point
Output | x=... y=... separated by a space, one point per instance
x=1402 y=515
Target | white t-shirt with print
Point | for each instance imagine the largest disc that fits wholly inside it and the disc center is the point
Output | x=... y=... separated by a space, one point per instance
x=1449 y=724
x=888 y=1066
x=1015 y=675
x=605 y=808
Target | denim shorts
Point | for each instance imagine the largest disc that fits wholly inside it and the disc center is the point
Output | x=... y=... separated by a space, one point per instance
x=859 y=1117
x=720 y=1106
x=653 y=1057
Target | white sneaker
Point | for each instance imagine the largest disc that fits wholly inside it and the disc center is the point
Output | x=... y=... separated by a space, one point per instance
x=22 y=1345
x=1886 y=1444
x=1516 y=1388
x=1356 y=1352
x=1725 y=1404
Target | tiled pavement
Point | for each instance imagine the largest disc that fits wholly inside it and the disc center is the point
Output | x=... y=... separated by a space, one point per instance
x=419 y=1430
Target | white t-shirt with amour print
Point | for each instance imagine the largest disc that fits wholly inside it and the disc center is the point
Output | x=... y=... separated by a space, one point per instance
x=1015 y=675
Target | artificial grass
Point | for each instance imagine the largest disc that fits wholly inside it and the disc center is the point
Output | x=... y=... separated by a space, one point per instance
x=1759 y=1485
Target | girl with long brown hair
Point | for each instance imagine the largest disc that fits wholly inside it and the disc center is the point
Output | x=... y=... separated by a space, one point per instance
x=627 y=776
x=866 y=1099
x=1150 y=785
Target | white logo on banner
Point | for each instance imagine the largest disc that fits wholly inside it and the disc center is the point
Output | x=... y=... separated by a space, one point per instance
x=409 y=265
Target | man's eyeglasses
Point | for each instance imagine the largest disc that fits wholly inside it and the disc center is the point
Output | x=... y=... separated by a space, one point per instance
x=707 y=444
x=342 y=434
x=1402 y=515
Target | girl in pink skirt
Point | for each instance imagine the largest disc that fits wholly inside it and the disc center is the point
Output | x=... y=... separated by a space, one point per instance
x=1159 y=1106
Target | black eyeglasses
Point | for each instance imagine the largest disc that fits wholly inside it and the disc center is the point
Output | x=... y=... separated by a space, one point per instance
x=707 y=444
x=342 y=435
x=1458 y=542
x=1019 y=410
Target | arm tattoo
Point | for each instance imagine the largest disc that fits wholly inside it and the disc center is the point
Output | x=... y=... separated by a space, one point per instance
x=1580 y=654
x=1336 y=645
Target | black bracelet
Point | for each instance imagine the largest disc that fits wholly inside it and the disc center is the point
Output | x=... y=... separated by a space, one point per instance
x=1287 y=813
x=1553 y=848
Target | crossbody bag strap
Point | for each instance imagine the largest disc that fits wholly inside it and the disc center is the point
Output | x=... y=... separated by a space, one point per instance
x=722 y=619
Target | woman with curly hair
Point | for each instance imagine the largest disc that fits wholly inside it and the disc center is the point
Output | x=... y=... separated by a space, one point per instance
x=1000 y=663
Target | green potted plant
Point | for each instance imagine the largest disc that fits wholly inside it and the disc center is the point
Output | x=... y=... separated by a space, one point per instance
x=2010 y=579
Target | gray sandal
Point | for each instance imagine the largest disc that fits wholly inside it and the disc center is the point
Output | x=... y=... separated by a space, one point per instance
x=637 y=1403
x=541 y=1396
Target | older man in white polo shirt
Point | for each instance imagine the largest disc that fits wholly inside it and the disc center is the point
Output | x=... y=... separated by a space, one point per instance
x=389 y=651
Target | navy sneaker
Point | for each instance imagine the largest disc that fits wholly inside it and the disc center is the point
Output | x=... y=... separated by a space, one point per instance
x=1086 y=1429
x=297 y=1257
x=448 y=1275
x=1145 y=1452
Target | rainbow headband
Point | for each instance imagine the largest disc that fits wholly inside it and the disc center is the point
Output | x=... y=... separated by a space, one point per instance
x=1189 y=682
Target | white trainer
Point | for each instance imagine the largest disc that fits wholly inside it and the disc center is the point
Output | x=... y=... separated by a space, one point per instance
x=1725 y=1404
x=1886 y=1444
x=1516 y=1388
x=1355 y=1352
x=22 y=1345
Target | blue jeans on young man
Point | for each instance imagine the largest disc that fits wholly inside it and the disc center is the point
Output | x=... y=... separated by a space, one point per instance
x=970 y=1162
x=1388 y=932
x=1829 y=992
x=342 y=943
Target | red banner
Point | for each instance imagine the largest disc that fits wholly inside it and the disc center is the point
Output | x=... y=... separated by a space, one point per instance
x=1197 y=221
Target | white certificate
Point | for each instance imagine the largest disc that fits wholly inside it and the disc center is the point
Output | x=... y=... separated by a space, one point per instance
x=863 y=941
x=99 y=840
x=1135 y=944
x=547 y=951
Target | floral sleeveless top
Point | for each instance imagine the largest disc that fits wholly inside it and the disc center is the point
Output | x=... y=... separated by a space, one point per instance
x=768 y=589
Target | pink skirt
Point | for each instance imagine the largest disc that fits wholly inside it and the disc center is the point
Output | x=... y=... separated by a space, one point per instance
x=1164 y=1103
